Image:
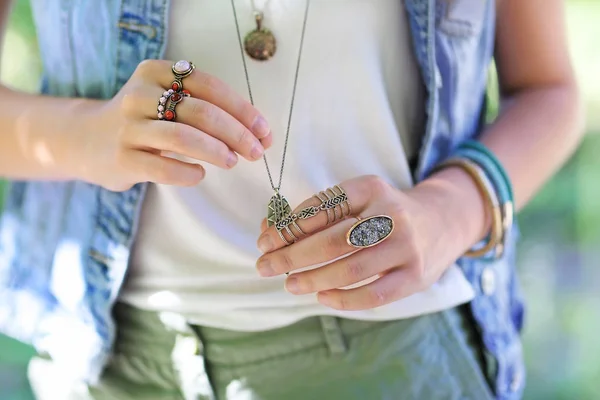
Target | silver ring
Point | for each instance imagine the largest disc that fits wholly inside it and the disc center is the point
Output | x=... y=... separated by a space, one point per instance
x=330 y=199
x=285 y=241
x=346 y=202
x=328 y=210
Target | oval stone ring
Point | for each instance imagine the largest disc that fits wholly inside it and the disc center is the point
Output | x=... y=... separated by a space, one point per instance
x=370 y=231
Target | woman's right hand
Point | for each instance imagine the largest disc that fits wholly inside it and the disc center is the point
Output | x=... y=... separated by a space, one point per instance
x=125 y=143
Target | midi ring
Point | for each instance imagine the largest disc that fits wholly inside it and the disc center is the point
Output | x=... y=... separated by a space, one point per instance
x=181 y=69
x=333 y=200
x=330 y=199
x=370 y=231
x=167 y=103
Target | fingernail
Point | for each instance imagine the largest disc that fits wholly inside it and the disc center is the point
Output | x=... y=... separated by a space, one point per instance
x=231 y=159
x=265 y=243
x=197 y=174
x=260 y=127
x=264 y=268
x=257 y=151
x=291 y=285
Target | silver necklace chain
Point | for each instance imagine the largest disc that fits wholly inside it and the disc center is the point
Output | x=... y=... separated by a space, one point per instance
x=287 y=133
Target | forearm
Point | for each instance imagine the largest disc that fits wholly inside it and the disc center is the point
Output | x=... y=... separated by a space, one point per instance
x=38 y=135
x=532 y=137
x=535 y=134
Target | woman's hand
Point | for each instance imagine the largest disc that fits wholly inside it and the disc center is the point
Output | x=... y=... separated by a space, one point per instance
x=122 y=142
x=426 y=239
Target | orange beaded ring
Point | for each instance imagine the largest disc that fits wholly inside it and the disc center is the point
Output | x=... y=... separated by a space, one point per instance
x=170 y=98
x=167 y=103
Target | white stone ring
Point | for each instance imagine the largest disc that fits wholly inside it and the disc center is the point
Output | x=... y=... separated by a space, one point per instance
x=370 y=231
x=181 y=69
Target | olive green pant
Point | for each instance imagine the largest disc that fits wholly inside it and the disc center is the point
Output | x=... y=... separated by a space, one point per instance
x=159 y=356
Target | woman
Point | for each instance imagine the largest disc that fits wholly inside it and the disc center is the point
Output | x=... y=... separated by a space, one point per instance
x=129 y=240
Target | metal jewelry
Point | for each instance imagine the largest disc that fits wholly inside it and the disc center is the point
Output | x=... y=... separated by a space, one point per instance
x=167 y=103
x=370 y=231
x=165 y=110
x=260 y=43
x=336 y=200
x=162 y=104
x=181 y=69
x=323 y=197
x=278 y=207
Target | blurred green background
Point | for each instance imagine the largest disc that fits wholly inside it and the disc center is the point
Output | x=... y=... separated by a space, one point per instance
x=560 y=247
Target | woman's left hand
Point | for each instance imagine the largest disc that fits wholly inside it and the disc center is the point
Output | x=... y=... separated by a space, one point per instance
x=411 y=259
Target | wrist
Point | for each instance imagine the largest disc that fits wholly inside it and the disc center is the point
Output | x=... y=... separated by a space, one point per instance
x=453 y=199
x=42 y=142
x=77 y=144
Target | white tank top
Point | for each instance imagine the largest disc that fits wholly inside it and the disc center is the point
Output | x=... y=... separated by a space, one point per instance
x=358 y=110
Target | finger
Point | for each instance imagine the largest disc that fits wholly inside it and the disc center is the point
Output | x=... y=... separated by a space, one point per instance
x=267 y=141
x=213 y=120
x=317 y=248
x=203 y=116
x=359 y=192
x=393 y=285
x=148 y=167
x=263 y=225
x=350 y=270
x=181 y=139
x=275 y=238
x=211 y=89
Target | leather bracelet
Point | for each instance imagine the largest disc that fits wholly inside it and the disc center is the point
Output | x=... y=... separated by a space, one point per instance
x=496 y=177
x=483 y=150
x=487 y=191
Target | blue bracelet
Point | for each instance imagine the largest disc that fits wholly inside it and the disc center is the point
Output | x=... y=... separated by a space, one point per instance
x=502 y=187
x=483 y=182
x=481 y=148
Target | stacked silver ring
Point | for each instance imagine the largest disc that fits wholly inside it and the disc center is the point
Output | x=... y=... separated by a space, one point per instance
x=333 y=201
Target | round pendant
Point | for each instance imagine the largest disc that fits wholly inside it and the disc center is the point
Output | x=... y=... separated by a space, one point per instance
x=260 y=44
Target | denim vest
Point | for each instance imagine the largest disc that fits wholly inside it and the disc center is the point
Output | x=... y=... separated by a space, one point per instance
x=64 y=246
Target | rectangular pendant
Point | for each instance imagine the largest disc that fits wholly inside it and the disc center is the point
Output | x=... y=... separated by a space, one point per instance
x=277 y=209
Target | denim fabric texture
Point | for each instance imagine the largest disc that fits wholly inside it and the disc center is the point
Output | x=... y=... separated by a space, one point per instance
x=64 y=247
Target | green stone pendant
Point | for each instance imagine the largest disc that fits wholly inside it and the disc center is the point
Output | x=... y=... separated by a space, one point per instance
x=278 y=209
